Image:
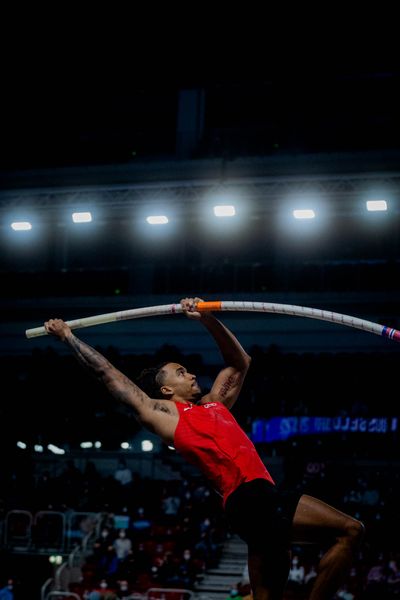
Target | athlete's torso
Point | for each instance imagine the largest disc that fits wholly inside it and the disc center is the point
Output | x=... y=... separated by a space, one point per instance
x=208 y=436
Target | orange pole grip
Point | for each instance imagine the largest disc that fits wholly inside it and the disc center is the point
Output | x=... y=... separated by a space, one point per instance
x=206 y=306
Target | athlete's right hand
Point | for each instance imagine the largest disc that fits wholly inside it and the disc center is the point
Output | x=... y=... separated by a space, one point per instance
x=58 y=328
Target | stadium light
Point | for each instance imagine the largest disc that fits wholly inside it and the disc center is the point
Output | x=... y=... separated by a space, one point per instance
x=157 y=220
x=82 y=217
x=376 y=205
x=304 y=213
x=21 y=225
x=224 y=210
x=147 y=446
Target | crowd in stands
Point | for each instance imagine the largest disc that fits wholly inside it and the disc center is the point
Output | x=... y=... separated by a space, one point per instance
x=167 y=533
x=153 y=532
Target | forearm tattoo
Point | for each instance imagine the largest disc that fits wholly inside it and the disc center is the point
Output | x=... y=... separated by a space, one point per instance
x=88 y=356
x=118 y=384
x=136 y=400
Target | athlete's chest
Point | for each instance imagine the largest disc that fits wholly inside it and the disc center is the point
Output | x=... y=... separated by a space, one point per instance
x=207 y=415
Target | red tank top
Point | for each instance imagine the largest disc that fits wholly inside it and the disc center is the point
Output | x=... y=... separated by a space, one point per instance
x=209 y=437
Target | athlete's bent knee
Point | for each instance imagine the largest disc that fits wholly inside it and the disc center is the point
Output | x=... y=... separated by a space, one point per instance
x=355 y=531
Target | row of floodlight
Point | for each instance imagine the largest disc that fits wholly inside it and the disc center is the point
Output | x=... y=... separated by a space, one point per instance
x=221 y=211
x=146 y=446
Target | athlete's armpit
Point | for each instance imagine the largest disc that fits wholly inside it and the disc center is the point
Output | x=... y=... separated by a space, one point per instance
x=160 y=406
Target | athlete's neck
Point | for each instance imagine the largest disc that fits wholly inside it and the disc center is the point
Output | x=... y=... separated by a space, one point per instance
x=182 y=401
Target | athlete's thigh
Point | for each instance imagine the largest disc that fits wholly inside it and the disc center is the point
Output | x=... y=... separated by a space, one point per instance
x=314 y=521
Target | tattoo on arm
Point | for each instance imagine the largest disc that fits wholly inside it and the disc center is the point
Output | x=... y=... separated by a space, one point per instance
x=118 y=384
x=120 y=393
x=88 y=356
x=227 y=385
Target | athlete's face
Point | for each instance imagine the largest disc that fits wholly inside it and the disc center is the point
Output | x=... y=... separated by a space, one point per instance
x=176 y=381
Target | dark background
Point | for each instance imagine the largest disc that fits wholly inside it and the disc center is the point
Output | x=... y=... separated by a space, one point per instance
x=84 y=89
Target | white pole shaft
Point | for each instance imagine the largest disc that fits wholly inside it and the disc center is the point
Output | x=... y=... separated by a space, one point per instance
x=122 y=315
x=236 y=306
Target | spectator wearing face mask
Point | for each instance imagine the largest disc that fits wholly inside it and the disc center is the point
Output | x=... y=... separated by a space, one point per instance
x=234 y=593
x=102 y=592
x=296 y=573
x=102 y=542
x=123 y=588
x=188 y=569
x=122 y=545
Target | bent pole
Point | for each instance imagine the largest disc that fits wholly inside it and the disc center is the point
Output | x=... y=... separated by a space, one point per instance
x=234 y=306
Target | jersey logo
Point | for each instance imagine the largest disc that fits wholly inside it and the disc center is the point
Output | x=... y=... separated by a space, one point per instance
x=210 y=404
x=188 y=407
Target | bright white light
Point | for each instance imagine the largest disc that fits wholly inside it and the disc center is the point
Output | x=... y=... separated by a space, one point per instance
x=21 y=445
x=97 y=444
x=86 y=444
x=147 y=446
x=157 y=220
x=376 y=205
x=125 y=445
x=55 y=559
x=225 y=210
x=171 y=448
x=305 y=213
x=38 y=448
x=21 y=226
x=82 y=217
x=55 y=449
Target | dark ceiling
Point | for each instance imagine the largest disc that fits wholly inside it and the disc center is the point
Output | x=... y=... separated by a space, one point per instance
x=87 y=95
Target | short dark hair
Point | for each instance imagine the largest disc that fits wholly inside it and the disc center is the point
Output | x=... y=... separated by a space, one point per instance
x=150 y=381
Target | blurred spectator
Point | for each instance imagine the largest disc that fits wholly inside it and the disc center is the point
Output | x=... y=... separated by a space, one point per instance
x=234 y=593
x=344 y=594
x=102 y=592
x=376 y=580
x=123 y=473
x=296 y=573
x=7 y=592
x=393 y=579
x=108 y=563
x=188 y=569
x=122 y=588
x=122 y=545
x=310 y=576
x=170 y=506
x=140 y=522
x=103 y=542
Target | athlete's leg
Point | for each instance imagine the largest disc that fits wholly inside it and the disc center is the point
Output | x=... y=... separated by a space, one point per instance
x=268 y=573
x=316 y=521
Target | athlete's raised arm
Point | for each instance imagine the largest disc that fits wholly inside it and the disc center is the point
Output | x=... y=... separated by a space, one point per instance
x=150 y=412
x=229 y=381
